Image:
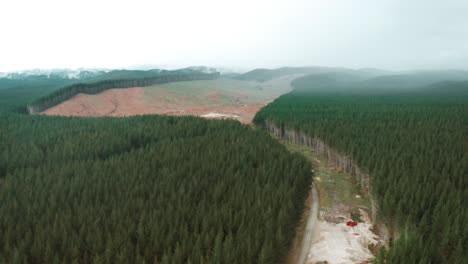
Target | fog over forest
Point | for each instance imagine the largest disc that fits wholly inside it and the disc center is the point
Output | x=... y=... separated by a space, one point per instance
x=242 y=34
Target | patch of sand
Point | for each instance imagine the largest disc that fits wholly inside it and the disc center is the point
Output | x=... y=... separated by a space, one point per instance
x=219 y=115
x=340 y=244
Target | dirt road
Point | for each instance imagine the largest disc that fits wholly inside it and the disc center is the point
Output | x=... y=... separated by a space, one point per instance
x=310 y=227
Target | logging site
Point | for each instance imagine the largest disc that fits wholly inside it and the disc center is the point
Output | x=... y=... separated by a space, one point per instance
x=254 y=131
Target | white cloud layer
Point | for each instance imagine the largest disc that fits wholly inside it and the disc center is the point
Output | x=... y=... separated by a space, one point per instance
x=392 y=34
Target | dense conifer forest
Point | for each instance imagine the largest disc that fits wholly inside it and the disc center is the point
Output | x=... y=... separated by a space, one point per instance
x=153 y=189
x=16 y=94
x=145 y=189
x=414 y=144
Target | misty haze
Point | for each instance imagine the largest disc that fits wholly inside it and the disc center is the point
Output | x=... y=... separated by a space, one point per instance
x=296 y=132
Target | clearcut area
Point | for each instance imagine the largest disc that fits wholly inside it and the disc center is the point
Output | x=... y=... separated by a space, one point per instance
x=223 y=98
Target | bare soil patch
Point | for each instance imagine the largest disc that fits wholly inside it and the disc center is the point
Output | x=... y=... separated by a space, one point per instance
x=219 y=99
x=338 y=243
x=130 y=102
x=114 y=102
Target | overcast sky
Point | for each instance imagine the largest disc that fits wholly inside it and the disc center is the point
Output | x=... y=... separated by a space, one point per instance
x=390 y=34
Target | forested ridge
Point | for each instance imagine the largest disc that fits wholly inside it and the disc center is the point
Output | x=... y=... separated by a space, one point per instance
x=68 y=92
x=414 y=144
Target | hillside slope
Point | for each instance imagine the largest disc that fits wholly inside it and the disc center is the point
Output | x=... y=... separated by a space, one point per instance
x=220 y=98
x=68 y=92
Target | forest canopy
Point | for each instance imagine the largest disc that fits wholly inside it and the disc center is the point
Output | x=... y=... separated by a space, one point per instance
x=414 y=144
x=146 y=189
x=150 y=188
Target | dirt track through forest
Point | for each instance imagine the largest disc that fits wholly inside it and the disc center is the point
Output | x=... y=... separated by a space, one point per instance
x=329 y=239
x=310 y=228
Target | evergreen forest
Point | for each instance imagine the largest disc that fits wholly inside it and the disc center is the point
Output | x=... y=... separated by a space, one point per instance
x=146 y=189
x=414 y=144
x=153 y=189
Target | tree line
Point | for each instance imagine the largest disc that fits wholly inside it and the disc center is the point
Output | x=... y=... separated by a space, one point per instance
x=61 y=95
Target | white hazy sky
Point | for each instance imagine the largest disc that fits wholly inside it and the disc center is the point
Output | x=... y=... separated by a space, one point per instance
x=391 y=34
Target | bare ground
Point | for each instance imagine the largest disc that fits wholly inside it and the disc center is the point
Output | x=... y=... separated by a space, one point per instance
x=295 y=250
x=223 y=99
x=130 y=102
x=310 y=228
x=334 y=242
x=337 y=243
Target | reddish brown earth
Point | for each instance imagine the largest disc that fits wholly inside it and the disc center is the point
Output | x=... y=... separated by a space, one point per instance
x=221 y=98
x=131 y=101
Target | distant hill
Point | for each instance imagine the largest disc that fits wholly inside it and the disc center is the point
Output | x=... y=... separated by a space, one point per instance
x=262 y=75
x=415 y=79
x=95 y=74
x=41 y=78
x=138 y=74
x=448 y=87
x=333 y=79
x=362 y=81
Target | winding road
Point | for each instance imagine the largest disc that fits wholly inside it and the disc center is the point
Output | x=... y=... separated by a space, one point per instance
x=310 y=227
